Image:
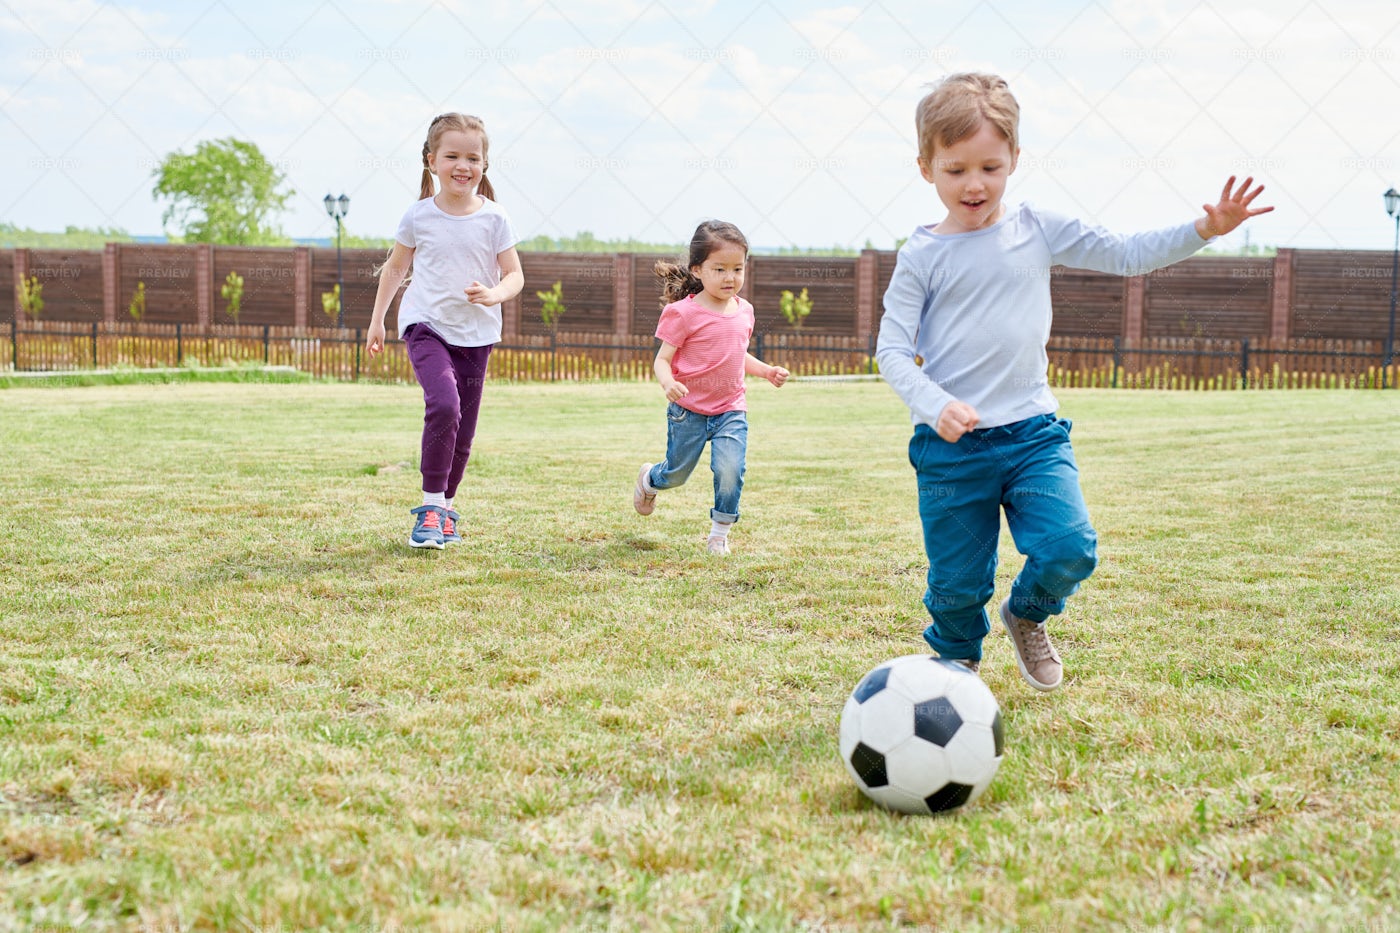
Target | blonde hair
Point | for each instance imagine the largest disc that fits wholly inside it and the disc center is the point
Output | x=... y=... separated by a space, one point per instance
x=959 y=104
x=465 y=123
x=677 y=281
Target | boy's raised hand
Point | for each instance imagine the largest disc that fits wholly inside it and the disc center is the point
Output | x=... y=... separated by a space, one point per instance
x=1232 y=210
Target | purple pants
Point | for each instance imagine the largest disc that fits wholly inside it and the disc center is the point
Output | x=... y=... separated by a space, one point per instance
x=452 y=379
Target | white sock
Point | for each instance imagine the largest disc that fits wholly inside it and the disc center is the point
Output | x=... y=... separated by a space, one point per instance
x=438 y=499
x=448 y=505
x=720 y=529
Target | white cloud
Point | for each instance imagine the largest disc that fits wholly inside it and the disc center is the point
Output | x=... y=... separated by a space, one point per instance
x=631 y=118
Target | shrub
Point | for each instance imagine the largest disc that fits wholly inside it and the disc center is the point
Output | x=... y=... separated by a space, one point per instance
x=137 y=307
x=795 y=308
x=232 y=292
x=30 y=292
x=552 y=305
x=330 y=302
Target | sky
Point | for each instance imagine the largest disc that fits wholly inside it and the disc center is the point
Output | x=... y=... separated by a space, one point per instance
x=632 y=119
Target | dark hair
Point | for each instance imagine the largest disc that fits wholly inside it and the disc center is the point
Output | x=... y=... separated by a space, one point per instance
x=678 y=281
x=466 y=123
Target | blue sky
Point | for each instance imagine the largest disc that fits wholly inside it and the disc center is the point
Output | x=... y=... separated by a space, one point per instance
x=635 y=119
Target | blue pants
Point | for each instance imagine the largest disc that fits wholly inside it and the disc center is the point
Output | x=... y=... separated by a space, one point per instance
x=1028 y=470
x=686 y=434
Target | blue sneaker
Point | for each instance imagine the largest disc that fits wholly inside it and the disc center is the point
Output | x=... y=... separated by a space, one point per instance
x=449 y=528
x=427 y=528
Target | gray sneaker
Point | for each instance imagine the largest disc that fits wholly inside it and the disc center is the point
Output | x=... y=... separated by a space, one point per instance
x=1035 y=656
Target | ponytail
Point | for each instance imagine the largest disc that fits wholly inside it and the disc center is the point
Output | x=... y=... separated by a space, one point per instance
x=677 y=282
x=484 y=189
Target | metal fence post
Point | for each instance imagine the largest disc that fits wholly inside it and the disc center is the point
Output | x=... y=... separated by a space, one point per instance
x=94 y=344
x=1244 y=363
x=758 y=346
x=179 y=344
x=14 y=343
x=357 y=354
x=267 y=358
x=870 y=354
x=1117 y=358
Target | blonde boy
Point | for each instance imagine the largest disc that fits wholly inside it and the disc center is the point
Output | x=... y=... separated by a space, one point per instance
x=962 y=342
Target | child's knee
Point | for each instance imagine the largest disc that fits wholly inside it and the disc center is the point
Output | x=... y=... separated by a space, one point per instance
x=1070 y=558
x=443 y=410
x=729 y=477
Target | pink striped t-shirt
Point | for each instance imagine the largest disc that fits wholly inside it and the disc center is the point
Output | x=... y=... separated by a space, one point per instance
x=710 y=351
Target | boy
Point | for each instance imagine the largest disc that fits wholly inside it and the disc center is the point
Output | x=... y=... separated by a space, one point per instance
x=970 y=297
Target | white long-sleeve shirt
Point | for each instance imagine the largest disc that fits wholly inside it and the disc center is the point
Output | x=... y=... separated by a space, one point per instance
x=976 y=308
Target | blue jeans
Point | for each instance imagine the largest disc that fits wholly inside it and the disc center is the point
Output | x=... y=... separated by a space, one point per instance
x=686 y=434
x=1028 y=470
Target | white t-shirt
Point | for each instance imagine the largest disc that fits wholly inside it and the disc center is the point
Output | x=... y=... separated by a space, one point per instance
x=449 y=253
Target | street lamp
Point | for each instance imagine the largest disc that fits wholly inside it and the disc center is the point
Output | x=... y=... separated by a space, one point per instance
x=1392 y=207
x=338 y=208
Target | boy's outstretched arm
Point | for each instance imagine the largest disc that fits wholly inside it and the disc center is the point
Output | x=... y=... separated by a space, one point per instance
x=1232 y=210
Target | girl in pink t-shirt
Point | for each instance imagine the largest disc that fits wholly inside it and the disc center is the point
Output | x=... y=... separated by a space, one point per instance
x=704 y=332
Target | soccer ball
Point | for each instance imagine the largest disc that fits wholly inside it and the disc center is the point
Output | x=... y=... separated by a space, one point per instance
x=921 y=735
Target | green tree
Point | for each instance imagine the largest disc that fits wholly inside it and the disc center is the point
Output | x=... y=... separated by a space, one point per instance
x=72 y=237
x=226 y=191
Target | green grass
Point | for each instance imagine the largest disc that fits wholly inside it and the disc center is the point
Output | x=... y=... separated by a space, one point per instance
x=131 y=375
x=232 y=698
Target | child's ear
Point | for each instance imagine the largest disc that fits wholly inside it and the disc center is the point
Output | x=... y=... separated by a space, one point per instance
x=925 y=169
x=1015 y=157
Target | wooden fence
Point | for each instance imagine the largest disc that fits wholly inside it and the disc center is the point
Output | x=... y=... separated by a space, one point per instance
x=333 y=353
x=1297 y=294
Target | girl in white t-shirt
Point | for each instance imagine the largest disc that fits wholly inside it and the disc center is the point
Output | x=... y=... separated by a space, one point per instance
x=704 y=332
x=461 y=248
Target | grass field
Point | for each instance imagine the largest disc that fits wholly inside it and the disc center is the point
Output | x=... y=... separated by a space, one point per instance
x=232 y=698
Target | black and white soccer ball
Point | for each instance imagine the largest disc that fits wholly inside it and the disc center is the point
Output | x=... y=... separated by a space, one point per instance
x=921 y=735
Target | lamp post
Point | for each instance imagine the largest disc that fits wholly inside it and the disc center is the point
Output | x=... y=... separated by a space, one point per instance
x=1392 y=207
x=338 y=208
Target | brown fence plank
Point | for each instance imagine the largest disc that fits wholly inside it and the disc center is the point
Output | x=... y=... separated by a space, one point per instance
x=332 y=353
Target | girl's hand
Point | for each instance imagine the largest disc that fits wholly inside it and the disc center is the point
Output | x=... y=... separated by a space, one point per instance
x=1232 y=210
x=676 y=391
x=777 y=375
x=956 y=419
x=481 y=295
x=374 y=339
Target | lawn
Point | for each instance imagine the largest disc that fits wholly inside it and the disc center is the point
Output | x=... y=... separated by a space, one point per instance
x=232 y=698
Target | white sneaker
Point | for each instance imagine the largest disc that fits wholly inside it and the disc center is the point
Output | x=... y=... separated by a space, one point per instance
x=717 y=544
x=644 y=502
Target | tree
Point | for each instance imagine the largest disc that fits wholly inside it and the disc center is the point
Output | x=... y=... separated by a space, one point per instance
x=226 y=191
